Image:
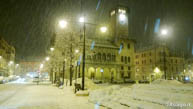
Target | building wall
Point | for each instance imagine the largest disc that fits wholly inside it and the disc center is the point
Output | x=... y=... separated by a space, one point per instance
x=147 y=60
x=188 y=72
x=7 y=53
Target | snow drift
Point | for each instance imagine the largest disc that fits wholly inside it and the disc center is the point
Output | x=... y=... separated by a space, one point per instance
x=157 y=95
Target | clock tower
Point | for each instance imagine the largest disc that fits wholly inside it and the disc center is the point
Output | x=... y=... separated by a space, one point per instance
x=119 y=23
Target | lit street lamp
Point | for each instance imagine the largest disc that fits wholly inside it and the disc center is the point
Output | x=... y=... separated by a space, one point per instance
x=164 y=32
x=76 y=51
x=81 y=19
x=103 y=29
x=51 y=49
x=62 y=24
x=47 y=58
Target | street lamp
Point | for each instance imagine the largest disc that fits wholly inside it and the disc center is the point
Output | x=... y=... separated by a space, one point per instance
x=51 y=49
x=81 y=19
x=62 y=24
x=164 y=32
x=17 y=65
x=47 y=58
x=76 y=51
x=103 y=29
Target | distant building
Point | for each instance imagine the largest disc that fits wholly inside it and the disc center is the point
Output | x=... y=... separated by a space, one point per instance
x=7 y=54
x=149 y=64
x=29 y=66
x=188 y=72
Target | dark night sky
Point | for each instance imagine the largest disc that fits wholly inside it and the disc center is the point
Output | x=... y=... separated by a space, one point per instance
x=29 y=24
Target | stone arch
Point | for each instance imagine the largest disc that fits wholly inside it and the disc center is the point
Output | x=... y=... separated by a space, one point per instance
x=106 y=74
x=113 y=74
x=99 y=73
x=91 y=73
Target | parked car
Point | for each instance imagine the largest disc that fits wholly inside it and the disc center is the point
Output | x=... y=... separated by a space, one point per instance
x=144 y=81
x=36 y=79
x=128 y=80
x=1 y=79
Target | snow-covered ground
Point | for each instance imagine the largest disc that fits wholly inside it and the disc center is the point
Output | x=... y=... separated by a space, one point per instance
x=161 y=94
x=43 y=96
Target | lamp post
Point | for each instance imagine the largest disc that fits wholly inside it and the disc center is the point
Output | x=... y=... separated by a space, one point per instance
x=164 y=32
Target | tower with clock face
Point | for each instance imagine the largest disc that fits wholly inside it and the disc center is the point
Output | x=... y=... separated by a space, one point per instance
x=119 y=23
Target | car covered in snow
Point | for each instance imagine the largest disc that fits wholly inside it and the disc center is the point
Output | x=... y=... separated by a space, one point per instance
x=1 y=79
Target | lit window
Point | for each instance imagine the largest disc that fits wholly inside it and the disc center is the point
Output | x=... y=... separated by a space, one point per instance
x=122 y=11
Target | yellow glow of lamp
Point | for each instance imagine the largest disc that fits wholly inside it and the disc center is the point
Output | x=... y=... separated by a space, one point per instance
x=103 y=29
x=62 y=24
x=156 y=70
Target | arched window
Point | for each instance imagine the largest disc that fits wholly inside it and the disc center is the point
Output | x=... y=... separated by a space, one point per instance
x=129 y=59
x=94 y=57
x=122 y=58
x=104 y=57
x=109 y=57
x=99 y=56
x=125 y=59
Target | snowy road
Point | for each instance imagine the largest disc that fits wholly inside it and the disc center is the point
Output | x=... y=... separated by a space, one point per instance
x=31 y=96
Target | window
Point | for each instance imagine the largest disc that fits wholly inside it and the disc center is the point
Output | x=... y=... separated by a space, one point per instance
x=125 y=60
x=104 y=57
x=109 y=57
x=128 y=46
x=129 y=74
x=122 y=68
x=128 y=59
x=129 y=68
x=99 y=56
x=150 y=54
x=136 y=56
x=121 y=58
x=150 y=61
